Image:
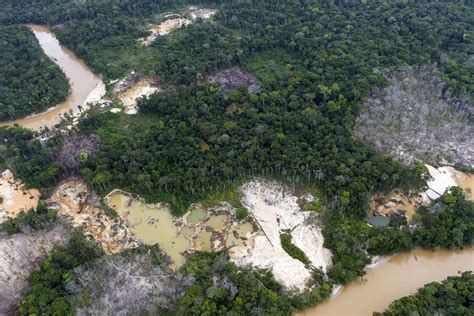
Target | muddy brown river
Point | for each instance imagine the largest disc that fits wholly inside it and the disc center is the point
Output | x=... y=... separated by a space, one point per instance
x=400 y=276
x=83 y=82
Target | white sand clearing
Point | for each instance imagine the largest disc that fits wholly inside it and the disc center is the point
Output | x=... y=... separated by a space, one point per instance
x=163 y=29
x=445 y=178
x=276 y=210
x=141 y=89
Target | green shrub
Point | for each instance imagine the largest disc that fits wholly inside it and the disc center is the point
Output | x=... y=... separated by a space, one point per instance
x=292 y=250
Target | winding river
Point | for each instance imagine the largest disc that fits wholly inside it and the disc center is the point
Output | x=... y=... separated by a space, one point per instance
x=399 y=276
x=85 y=86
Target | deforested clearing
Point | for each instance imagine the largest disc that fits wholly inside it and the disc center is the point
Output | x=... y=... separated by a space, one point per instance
x=414 y=118
x=163 y=29
x=276 y=210
x=233 y=78
x=127 y=285
x=20 y=254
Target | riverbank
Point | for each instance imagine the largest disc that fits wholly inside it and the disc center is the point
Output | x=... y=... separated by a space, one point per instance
x=85 y=86
x=399 y=276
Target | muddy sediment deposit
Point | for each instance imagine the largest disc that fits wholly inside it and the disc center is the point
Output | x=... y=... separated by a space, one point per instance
x=75 y=201
x=274 y=210
x=20 y=254
x=404 y=204
x=395 y=203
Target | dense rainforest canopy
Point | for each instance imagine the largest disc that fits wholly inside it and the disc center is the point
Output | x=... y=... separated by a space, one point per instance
x=30 y=81
x=317 y=62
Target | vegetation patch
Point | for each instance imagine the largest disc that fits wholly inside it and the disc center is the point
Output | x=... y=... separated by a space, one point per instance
x=36 y=219
x=452 y=296
x=49 y=292
x=273 y=66
x=292 y=250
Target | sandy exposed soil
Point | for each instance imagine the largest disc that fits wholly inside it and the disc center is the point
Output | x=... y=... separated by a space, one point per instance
x=196 y=13
x=396 y=202
x=15 y=197
x=277 y=210
x=174 y=21
x=143 y=88
x=443 y=178
x=21 y=254
x=95 y=95
x=74 y=200
x=163 y=29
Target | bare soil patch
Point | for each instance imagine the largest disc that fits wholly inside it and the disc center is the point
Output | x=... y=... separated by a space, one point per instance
x=14 y=198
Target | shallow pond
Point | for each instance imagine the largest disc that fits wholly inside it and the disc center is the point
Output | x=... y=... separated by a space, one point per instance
x=235 y=236
x=152 y=225
x=197 y=215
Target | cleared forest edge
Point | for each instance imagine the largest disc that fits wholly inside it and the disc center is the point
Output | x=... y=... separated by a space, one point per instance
x=413 y=118
x=21 y=254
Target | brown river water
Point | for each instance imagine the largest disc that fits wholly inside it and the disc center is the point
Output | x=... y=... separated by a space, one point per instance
x=81 y=79
x=400 y=276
